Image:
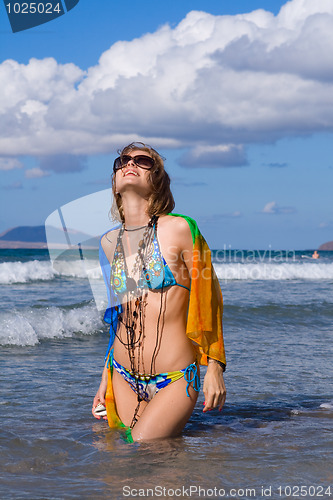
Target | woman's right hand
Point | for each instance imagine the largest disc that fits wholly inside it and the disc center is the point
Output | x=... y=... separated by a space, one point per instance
x=99 y=398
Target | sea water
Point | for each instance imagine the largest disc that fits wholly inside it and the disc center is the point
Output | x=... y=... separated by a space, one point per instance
x=273 y=438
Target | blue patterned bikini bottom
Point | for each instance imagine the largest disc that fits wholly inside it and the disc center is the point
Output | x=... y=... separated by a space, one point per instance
x=146 y=386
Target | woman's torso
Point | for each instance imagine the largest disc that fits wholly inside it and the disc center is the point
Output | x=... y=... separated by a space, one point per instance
x=164 y=310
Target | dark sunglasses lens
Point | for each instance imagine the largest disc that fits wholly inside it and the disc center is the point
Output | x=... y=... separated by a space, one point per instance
x=140 y=160
x=125 y=159
x=117 y=165
x=144 y=161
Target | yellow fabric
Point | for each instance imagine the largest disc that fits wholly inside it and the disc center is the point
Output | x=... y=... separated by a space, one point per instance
x=111 y=410
x=204 y=318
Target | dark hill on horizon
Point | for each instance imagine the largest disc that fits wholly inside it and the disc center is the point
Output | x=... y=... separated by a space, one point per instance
x=35 y=237
x=25 y=233
x=326 y=246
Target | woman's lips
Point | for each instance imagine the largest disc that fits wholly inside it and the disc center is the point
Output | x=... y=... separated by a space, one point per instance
x=131 y=172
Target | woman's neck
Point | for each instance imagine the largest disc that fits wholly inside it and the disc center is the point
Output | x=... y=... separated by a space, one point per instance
x=135 y=211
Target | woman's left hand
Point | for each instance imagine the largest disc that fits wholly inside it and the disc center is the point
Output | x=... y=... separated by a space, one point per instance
x=214 y=387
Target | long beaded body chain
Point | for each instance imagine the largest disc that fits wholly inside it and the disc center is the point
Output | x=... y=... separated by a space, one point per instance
x=134 y=300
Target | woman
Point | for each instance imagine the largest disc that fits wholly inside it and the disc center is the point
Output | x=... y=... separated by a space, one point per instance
x=165 y=307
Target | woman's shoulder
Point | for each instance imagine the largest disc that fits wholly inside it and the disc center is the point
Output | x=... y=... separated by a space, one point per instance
x=109 y=238
x=175 y=222
x=182 y=222
x=178 y=229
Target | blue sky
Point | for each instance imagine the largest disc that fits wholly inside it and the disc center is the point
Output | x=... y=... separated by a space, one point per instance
x=237 y=95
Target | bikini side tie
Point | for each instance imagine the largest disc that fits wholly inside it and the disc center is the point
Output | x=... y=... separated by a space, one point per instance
x=191 y=376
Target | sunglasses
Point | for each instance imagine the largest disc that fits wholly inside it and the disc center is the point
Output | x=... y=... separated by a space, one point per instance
x=142 y=161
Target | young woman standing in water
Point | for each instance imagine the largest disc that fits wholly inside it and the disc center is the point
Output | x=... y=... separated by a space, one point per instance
x=165 y=306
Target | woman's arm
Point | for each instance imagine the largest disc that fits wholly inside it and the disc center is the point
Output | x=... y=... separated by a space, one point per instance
x=100 y=394
x=213 y=387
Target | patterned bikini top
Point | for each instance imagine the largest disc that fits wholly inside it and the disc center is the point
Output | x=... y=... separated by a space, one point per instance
x=155 y=273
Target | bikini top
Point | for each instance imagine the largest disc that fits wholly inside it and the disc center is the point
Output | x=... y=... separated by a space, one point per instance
x=156 y=274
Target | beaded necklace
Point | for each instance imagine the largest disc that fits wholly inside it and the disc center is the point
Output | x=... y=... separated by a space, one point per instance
x=132 y=317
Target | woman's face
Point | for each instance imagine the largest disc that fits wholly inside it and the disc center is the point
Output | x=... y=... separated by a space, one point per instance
x=132 y=177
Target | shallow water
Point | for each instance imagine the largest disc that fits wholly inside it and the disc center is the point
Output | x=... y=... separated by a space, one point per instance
x=274 y=431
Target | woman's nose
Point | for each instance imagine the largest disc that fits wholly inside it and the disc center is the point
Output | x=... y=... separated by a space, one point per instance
x=131 y=162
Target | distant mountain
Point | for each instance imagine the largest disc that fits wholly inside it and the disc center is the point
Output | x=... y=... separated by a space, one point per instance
x=326 y=246
x=25 y=233
x=35 y=237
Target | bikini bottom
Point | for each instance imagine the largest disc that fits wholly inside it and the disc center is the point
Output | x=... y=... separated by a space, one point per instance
x=157 y=382
x=146 y=386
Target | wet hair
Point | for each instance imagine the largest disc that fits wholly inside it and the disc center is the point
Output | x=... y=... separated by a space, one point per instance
x=160 y=200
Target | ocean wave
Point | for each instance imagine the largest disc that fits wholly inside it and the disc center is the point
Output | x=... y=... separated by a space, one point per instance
x=29 y=326
x=25 y=272
x=327 y=406
x=274 y=271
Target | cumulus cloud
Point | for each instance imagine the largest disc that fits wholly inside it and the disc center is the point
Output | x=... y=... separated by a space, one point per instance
x=210 y=85
x=226 y=155
x=9 y=163
x=273 y=208
x=35 y=173
x=296 y=55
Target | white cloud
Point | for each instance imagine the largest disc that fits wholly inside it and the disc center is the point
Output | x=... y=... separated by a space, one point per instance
x=9 y=163
x=35 y=173
x=273 y=208
x=226 y=155
x=212 y=84
x=269 y=208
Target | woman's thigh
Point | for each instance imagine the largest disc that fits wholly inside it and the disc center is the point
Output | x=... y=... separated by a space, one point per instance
x=167 y=413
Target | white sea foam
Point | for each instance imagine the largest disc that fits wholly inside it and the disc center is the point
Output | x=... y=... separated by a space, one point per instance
x=327 y=406
x=78 y=269
x=274 y=271
x=24 y=272
x=29 y=326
